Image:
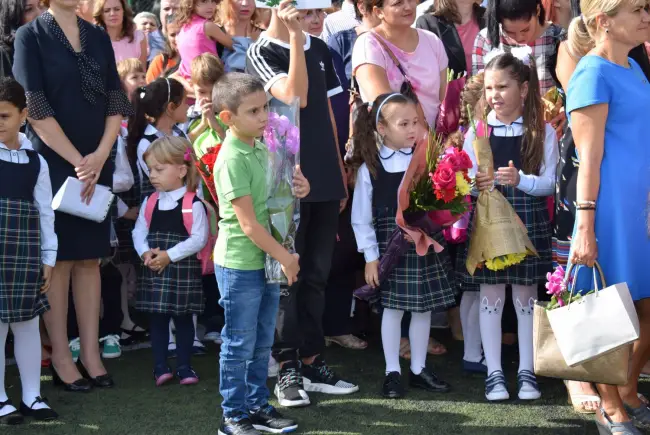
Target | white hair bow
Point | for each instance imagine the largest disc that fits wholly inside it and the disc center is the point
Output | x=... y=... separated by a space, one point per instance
x=521 y=52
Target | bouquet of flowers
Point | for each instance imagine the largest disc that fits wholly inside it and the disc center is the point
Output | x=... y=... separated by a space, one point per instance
x=552 y=102
x=205 y=166
x=499 y=237
x=449 y=114
x=432 y=195
x=282 y=139
x=558 y=285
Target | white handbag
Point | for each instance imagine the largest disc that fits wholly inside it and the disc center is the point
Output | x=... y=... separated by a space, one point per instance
x=68 y=200
x=597 y=323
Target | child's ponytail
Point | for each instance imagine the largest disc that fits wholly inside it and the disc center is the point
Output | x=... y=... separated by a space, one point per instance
x=137 y=124
x=192 y=177
x=364 y=143
x=532 y=152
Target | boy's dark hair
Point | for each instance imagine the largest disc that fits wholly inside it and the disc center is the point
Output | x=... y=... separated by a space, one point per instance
x=232 y=88
x=149 y=104
x=12 y=92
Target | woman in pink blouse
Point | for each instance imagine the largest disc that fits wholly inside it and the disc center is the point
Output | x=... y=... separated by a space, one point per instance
x=116 y=17
x=423 y=60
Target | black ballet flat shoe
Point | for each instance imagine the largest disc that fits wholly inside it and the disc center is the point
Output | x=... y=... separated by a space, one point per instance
x=102 y=381
x=43 y=414
x=427 y=380
x=392 y=387
x=81 y=385
x=11 y=419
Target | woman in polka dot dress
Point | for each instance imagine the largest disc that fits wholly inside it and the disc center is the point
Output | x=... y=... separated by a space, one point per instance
x=75 y=104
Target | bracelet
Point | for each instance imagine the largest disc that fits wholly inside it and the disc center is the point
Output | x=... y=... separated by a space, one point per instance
x=587 y=203
x=585 y=207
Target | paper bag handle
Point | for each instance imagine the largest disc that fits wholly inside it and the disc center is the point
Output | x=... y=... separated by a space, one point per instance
x=567 y=275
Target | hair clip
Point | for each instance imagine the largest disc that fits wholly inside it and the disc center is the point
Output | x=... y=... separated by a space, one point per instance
x=523 y=53
x=188 y=155
x=143 y=91
x=492 y=54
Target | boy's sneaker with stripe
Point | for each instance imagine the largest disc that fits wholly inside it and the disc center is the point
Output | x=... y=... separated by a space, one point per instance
x=319 y=378
x=268 y=419
x=290 y=390
x=75 y=348
x=112 y=347
x=237 y=425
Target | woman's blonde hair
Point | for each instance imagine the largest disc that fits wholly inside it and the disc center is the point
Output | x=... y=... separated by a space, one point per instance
x=582 y=29
x=128 y=25
x=174 y=150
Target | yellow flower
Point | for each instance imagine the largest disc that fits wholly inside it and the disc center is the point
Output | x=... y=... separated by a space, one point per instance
x=462 y=186
x=503 y=261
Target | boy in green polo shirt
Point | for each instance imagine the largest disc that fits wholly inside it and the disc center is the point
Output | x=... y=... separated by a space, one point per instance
x=250 y=304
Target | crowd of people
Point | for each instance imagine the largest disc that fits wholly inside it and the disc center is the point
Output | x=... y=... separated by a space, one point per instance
x=91 y=91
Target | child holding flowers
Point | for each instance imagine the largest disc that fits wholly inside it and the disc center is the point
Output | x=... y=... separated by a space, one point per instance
x=525 y=151
x=418 y=284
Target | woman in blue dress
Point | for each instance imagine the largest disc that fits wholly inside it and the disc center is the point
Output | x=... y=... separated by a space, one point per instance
x=76 y=104
x=608 y=99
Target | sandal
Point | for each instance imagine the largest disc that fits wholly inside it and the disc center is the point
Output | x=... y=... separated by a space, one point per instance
x=405 y=348
x=640 y=415
x=578 y=401
x=612 y=428
x=347 y=341
x=435 y=347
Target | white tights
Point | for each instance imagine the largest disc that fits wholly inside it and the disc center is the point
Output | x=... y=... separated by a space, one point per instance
x=491 y=309
x=27 y=350
x=469 y=308
x=391 y=332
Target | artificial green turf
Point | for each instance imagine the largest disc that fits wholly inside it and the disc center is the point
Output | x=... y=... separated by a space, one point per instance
x=136 y=407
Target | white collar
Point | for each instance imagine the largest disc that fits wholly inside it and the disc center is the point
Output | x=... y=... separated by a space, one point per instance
x=387 y=153
x=151 y=129
x=25 y=144
x=494 y=122
x=173 y=195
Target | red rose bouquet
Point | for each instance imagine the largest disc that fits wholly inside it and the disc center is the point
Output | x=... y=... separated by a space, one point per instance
x=205 y=166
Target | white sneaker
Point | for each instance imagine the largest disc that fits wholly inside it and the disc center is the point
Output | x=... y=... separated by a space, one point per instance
x=75 y=348
x=495 y=387
x=213 y=336
x=112 y=347
x=528 y=388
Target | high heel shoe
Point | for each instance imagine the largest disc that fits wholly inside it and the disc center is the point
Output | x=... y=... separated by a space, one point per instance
x=81 y=385
x=102 y=381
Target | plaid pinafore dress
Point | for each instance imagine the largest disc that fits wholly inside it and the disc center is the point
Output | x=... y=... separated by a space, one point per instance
x=178 y=289
x=20 y=253
x=533 y=211
x=418 y=283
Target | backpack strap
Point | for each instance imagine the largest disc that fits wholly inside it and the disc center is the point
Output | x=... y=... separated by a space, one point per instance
x=188 y=219
x=151 y=205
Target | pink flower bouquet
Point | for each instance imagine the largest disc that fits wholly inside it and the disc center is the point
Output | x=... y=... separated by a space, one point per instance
x=558 y=285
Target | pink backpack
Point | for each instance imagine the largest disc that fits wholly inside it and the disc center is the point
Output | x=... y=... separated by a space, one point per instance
x=205 y=254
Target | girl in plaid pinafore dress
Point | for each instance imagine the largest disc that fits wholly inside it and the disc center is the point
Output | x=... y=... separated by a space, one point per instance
x=525 y=155
x=27 y=255
x=171 y=286
x=418 y=284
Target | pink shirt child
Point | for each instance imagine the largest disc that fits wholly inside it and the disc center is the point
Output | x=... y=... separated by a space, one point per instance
x=423 y=66
x=128 y=50
x=192 y=42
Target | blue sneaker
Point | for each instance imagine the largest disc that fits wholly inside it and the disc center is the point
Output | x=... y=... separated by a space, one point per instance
x=475 y=367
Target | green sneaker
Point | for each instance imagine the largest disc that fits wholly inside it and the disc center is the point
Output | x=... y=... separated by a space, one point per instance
x=75 y=348
x=112 y=348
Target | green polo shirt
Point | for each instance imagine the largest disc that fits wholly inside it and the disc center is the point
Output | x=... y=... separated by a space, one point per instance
x=240 y=170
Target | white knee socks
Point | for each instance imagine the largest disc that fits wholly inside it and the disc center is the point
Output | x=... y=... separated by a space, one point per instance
x=391 y=332
x=469 y=305
x=523 y=296
x=491 y=310
x=27 y=350
x=4 y=330
x=419 y=338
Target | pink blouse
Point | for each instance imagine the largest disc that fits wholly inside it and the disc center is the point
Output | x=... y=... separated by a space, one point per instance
x=422 y=66
x=192 y=42
x=127 y=50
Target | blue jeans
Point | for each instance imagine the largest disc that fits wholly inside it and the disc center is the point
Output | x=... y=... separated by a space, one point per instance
x=250 y=309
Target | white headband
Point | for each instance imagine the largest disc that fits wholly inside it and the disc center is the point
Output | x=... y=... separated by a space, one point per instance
x=382 y=105
x=522 y=52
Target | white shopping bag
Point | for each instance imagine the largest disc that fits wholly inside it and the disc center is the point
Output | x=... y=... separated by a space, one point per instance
x=595 y=324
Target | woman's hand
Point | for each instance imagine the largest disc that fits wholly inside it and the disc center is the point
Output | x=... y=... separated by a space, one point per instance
x=372 y=274
x=301 y=185
x=88 y=191
x=90 y=166
x=508 y=176
x=484 y=181
x=585 y=247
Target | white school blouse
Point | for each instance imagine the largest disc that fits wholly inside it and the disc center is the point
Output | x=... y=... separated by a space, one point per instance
x=364 y=231
x=535 y=185
x=42 y=197
x=169 y=201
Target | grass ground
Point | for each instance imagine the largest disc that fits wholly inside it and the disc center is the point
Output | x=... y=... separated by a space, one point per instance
x=136 y=407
